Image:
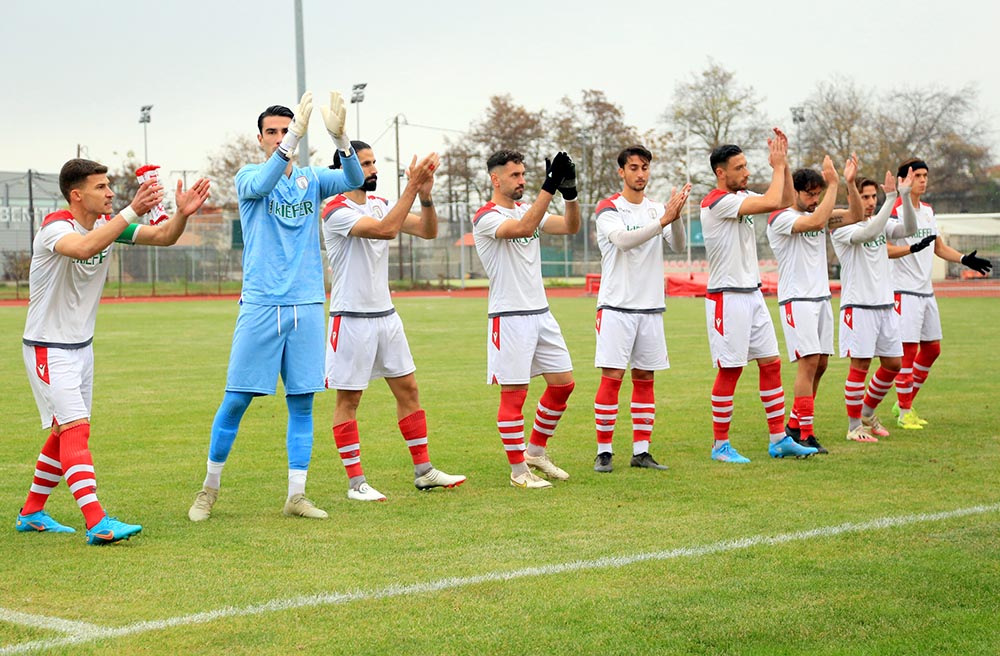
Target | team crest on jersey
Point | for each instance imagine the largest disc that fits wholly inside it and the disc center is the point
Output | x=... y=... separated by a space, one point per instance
x=377 y=212
x=652 y=214
x=302 y=182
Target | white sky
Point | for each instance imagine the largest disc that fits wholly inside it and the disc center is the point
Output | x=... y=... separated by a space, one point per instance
x=77 y=72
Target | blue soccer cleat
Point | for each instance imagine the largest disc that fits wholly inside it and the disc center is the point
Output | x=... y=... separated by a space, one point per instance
x=788 y=447
x=40 y=522
x=110 y=530
x=726 y=453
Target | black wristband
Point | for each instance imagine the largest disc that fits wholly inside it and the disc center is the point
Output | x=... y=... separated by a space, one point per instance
x=426 y=203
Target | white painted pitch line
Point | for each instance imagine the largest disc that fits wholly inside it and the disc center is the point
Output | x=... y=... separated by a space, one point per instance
x=91 y=633
x=46 y=622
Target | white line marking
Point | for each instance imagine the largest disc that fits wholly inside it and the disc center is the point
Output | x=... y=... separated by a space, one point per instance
x=46 y=622
x=88 y=634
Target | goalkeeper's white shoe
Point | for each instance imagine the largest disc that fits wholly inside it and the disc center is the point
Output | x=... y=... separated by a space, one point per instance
x=437 y=478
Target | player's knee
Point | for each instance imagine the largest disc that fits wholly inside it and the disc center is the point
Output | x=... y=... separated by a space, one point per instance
x=299 y=405
x=234 y=404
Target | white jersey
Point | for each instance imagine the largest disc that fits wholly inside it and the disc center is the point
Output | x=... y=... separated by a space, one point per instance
x=514 y=266
x=912 y=274
x=802 y=272
x=359 y=266
x=64 y=293
x=730 y=242
x=632 y=279
x=864 y=268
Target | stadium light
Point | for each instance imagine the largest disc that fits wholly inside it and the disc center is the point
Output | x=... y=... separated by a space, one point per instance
x=358 y=97
x=798 y=118
x=144 y=119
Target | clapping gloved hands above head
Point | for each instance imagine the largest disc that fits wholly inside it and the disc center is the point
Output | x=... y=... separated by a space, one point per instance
x=560 y=174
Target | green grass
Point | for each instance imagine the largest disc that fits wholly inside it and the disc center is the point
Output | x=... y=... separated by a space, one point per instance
x=926 y=587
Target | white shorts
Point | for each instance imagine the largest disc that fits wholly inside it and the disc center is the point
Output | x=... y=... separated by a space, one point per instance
x=869 y=332
x=919 y=319
x=361 y=349
x=808 y=328
x=522 y=346
x=62 y=381
x=739 y=328
x=635 y=338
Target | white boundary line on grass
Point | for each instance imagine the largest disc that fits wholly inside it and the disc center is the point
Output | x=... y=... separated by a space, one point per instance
x=85 y=633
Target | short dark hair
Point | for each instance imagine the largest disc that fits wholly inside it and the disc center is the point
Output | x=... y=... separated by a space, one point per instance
x=722 y=154
x=502 y=158
x=914 y=163
x=273 y=110
x=75 y=172
x=634 y=151
x=861 y=183
x=807 y=180
x=358 y=146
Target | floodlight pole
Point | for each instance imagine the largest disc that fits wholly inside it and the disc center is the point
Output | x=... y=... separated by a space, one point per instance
x=300 y=68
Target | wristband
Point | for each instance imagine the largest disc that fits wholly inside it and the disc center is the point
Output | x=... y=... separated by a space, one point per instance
x=427 y=203
x=129 y=214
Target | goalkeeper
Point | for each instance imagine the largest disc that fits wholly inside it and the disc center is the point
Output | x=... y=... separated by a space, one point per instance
x=280 y=327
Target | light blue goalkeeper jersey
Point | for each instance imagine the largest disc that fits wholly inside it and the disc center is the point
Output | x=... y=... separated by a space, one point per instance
x=280 y=218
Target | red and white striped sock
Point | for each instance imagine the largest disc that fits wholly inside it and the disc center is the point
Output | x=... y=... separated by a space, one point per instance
x=854 y=393
x=922 y=365
x=878 y=387
x=643 y=412
x=48 y=471
x=550 y=410
x=78 y=468
x=606 y=412
x=772 y=395
x=904 y=379
x=414 y=429
x=348 y=442
x=723 y=391
x=510 y=423
x=803 y=408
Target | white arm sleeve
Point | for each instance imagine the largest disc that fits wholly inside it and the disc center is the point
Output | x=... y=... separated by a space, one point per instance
x=876 y=225
x=629 y=239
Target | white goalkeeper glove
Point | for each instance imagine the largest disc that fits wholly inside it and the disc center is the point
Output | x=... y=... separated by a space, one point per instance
x=335 y=116
x=297 y=128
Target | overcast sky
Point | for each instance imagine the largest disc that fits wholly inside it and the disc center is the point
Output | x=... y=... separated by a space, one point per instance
x=76 y=73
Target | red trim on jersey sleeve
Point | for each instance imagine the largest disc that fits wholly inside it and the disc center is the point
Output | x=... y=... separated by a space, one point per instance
x=337 y=202
x=896 y=206
x=775 y=214
x=607 y=205
x=61 y=215
x=485 y=209
x=927 y=205
x=378 y=198
x=713 y=197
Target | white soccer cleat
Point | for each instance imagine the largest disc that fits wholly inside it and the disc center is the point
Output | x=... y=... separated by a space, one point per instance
x=529 y=481
x=437 y=478
x=545 y=465
x=365 y=492
x=299 y=506
x=201 y=509
x=861 y=434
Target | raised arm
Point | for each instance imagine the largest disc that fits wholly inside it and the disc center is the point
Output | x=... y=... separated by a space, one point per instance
x=819 y=218
x=168 y=232
x=390 y=225
x=425 y=225
x=876 y=225
x=774 y=198
x=82 y=247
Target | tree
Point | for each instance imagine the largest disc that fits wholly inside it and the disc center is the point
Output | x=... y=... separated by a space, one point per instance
x=710 y=109
x=123 y=181
x=225 y=162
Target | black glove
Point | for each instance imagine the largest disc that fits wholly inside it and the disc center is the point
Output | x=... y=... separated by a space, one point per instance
x=977 y=264
x=922 y=244
x=555 y=171
x=568 y=186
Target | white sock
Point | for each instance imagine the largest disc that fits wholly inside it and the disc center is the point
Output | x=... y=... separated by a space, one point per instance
x=214 y=476
x=296 y=482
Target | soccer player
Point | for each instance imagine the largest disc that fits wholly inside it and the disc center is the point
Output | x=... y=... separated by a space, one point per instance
x=366 y=339
x=280 y=324
x=798 y=238
x=630 y=305
x=523 y=338
x=69 y=265
x=868 y=325
x=739 y=324
x=919 y=320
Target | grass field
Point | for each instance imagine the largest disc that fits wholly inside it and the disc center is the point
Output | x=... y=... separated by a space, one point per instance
x=892 y=548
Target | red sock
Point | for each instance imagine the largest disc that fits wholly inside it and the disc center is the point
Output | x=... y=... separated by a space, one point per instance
x=48 y=471
x=878 y=387
x=772 y=395
x=414 y=430
x=346 y=437
x=510 y=423
x=722 y=401
x=78 y=468
x=929 y=352
x=904 y=379
x=606 y=412
x=550 y=409
x=802 y=407
x=643 y=415
x=854 y=391
x=793 y=418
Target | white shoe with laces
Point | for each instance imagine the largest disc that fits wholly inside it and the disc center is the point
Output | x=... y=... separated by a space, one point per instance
x=365 y=492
